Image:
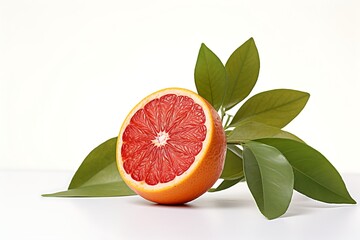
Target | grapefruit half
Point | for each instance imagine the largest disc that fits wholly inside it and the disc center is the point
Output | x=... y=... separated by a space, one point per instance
x=171 y=147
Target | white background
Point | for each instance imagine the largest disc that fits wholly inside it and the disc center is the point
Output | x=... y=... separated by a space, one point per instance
x=70 y=71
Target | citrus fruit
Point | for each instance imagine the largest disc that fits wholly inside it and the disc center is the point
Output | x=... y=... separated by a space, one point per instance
x=171 y=147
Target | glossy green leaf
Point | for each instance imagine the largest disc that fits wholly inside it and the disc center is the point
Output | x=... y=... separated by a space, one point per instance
x=254 y=130
x=97 y=176
x=233 y=167
x=275 y=107
x=225 y=184
x=269 y=177
x=210 y=77
x=315 y=176
x=99 y=163
x=242 y=70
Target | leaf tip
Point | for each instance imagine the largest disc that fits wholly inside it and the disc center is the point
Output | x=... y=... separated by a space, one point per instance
x=46 y=195
x=271 y=216
x=251 y=41
x=352 y=201
x=203 y=46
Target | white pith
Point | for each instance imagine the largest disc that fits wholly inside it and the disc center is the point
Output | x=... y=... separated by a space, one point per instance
x=163 y=137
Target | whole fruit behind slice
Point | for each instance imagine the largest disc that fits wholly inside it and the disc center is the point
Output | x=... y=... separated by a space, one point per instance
x=171 y=147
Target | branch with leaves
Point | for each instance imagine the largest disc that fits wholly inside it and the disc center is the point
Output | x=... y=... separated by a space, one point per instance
x=272 y=162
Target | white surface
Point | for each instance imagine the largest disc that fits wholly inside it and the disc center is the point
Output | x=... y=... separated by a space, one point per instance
x=71 y=70
x=231 y=214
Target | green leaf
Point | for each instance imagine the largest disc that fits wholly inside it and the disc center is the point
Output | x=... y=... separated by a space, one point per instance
x=235 y=149
x=98 y=175
x=225 y=184
x=269 y=177
x=315 y=176
x=100 y=164
x=242 y=70
x=101 y=190
x=276 y=107
x=233 y=168
x=246 y=131
x=210 y=77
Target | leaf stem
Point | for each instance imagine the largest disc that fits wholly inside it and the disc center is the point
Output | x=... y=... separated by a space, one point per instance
x=228 y=120
x=235 y=142
x=222 y=112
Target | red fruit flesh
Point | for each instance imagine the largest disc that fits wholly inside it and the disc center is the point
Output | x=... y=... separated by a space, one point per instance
x=163 y=138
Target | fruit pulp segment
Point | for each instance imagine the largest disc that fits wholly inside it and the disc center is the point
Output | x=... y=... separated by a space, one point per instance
x=163 y=138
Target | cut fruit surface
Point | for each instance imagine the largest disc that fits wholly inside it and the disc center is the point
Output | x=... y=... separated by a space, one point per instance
x=171 y=147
